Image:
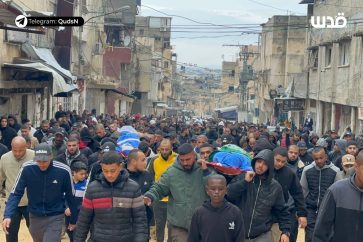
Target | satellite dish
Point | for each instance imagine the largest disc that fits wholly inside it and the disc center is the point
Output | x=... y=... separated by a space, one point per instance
x=127 y=40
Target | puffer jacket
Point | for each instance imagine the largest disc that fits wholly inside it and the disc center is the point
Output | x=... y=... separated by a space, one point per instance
x=260 y=199
x=116 y=209
x=186 y=191
x=315 y=182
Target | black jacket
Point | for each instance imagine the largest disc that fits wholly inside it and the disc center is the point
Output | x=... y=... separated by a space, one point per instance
x=340 y=216
x=145 y=181
x=260 y=199
x=210 y=224
x=116 y=210
x=71 y=159
x=315 y=182
x=39 y=135
x=306 y=158
x=292 y=190
x=7 y=135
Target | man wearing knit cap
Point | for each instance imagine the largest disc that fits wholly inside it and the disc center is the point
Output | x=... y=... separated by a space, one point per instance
x=184 y=183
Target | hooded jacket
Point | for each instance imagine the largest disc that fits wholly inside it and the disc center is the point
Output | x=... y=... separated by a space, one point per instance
x=210 y=224
x=186 y=191
x=336 y=157
x=262 y=144
x=315 y=182
x=16 y=125
x=116 y=211
x=260 y=199
x=7 y=135
x=341 y=211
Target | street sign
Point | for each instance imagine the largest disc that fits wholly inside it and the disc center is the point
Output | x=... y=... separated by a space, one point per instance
x=291 y=104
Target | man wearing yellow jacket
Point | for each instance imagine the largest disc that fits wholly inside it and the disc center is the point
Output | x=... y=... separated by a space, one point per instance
x=157 y=166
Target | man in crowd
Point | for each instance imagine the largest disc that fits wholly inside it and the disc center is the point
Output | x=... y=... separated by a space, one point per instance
x=260 y=197
x=201 y=139
x=10 y=164
x=72 y=153
x=48 y=184
x=184 y=183
x=293 y=161
x=315 y=180
x=57 y=143
x=341 y=210
x=352 y=148
x=136 y=166
x=157 y=166
x=25 y=132
x=101 y=133
x=42 y=132
x=114 y=205
x=303 y=154
x=293 y=195
x=205 y=151
x=7 y=133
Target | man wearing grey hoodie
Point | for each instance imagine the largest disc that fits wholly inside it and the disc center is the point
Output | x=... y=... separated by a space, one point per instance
x=339 y=150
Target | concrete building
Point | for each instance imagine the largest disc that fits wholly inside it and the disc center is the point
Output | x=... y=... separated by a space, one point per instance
x=334 y=67
x=31 y=79
x=108 y=52
x=279 y=67
x=155 y=65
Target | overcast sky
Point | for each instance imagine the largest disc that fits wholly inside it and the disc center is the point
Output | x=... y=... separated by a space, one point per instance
x=208 y=52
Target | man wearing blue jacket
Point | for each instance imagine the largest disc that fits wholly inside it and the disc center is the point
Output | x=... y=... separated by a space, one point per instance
x=48 y=184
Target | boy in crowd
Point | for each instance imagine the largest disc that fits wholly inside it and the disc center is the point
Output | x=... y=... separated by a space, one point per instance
x=79 y=173
x=217 y=220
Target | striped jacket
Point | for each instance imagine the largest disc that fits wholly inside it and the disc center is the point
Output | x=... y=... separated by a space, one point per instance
x=116 y=211
x=47 y=190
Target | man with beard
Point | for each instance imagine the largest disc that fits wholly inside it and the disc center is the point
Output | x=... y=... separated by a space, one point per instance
x=57 y=143
x=42 y=132
x=157 y=166
x=294 y=161
x=184 y=183
x=72 y=153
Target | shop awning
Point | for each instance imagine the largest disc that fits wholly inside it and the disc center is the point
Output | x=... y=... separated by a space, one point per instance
x=111 y=88
x=44 y=54
x=59 y=87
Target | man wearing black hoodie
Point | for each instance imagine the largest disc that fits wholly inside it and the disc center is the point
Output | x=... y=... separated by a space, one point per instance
x=293 y=195
x=217 y=220
x=6 y=133
x=260 y=197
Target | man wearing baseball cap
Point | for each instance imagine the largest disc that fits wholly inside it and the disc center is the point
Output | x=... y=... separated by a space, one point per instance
x=348 y=162
x=49 y=186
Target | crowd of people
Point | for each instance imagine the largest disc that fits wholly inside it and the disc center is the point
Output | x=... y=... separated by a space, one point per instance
x=72 y=175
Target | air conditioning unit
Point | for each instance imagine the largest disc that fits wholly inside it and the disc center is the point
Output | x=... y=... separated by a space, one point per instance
x=163 y=29
x=98 y=49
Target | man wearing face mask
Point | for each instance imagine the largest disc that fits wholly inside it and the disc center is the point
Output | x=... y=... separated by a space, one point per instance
x=157 y=166
x=184 y=183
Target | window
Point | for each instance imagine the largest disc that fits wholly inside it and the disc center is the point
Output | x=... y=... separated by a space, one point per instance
x=166 y=64
x=313 y=59
x=141 y=32
x=232 y=73
x=231 y=89
x=344 y=49
x=328 y=51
